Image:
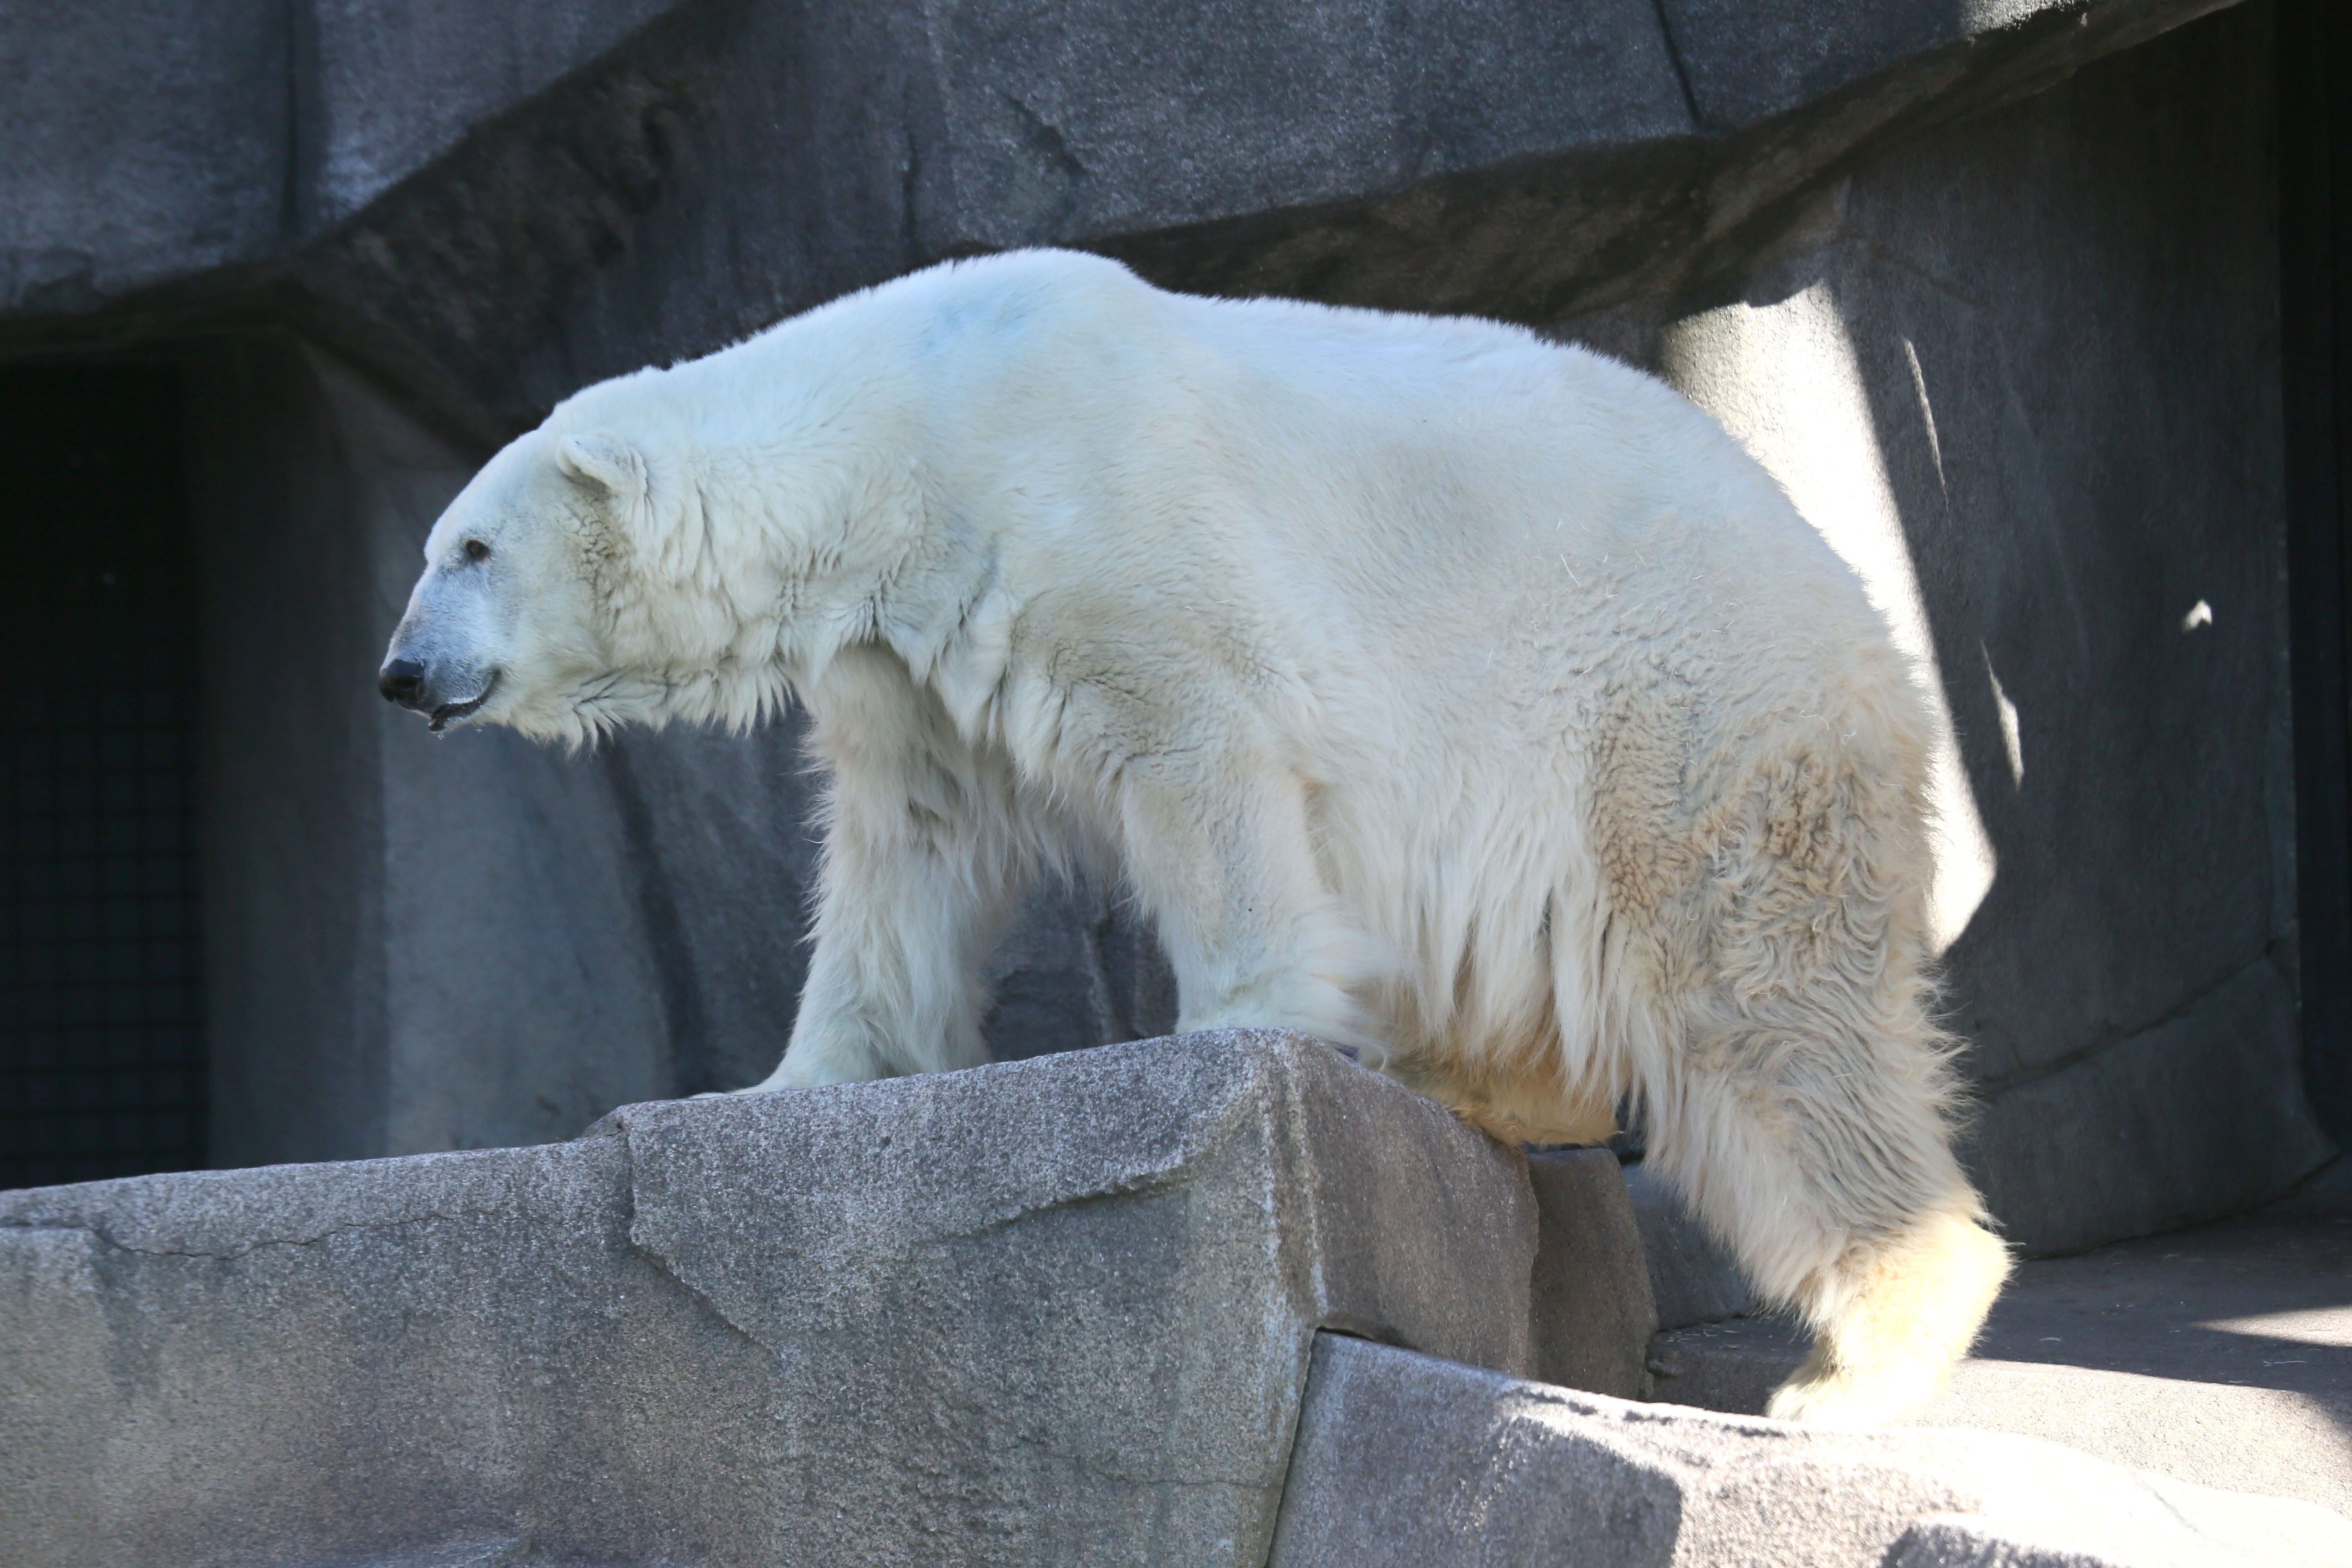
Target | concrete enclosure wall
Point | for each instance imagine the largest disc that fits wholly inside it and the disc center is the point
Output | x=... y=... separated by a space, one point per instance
x=1996 y=298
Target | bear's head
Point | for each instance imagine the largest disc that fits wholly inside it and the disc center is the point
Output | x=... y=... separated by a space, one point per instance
x=583 y=579
x=508 y=624
x=571 y=587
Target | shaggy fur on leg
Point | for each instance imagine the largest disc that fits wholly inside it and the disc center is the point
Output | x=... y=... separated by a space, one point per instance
x=1891 y=1319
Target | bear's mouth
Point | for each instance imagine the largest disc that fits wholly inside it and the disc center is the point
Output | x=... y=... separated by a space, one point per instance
x=450 y=713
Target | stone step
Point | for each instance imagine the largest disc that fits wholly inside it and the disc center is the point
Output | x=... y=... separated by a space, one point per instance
x=1406 y=1460
x=2221 y=1356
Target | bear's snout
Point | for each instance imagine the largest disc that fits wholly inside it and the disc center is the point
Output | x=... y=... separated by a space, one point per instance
x=403 y=681
x=410 y=683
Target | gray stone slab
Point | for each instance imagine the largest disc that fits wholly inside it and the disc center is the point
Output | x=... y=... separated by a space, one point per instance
x=2325 y=1193
x=146 y=139
x=1403 y=1459
x=1066 y=121
x=1048 y=1311
x=2066 y=510
x=2221 y=1356
x=398 y=82
x=1500 y=158
x=1594 y=1315
x=497 y=203
x=1732 y=1365
x=1748 y=60
x=904 y=134
x=2201 y=1114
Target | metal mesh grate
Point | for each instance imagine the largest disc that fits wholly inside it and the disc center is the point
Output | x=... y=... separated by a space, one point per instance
x=101 y=996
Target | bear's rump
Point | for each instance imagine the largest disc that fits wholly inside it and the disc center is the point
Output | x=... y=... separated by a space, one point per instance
x=1557 y=905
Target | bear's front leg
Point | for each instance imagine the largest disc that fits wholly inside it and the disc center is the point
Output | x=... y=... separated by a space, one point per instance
x=921 y=864
x=1220 y=848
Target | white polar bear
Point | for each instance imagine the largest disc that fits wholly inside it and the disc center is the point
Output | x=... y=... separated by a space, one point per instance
x=1465 y=698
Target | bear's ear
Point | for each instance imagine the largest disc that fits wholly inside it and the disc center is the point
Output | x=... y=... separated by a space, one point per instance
x=605 y=462
x=665 y=538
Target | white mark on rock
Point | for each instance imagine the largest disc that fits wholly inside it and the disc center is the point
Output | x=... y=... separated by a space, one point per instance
x=1927 y=417
x=2012 y=739
x=2200 y=613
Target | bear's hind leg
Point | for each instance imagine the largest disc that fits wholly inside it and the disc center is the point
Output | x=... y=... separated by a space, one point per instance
x=1899 y=1311
x=1823 y=1157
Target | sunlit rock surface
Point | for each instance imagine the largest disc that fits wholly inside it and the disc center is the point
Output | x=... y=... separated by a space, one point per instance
x=1405 y=1460
x=2221 y=1356
x=1139 y=1304
x=1051 y=1312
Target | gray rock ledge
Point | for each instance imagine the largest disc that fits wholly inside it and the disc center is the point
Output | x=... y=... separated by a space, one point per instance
x=1058 y=1311
x=1406 y=1460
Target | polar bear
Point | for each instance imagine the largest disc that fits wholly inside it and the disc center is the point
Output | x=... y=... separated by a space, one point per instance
x=1466 y=700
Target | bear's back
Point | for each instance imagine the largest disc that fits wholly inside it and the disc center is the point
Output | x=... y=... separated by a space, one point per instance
x=1364 y=489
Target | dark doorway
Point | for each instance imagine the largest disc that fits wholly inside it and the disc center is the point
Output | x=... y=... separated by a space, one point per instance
x=101 y=993
x=2315 y=300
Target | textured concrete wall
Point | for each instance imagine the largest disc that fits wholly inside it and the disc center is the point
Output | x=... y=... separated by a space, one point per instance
x=409 y=945
x=497 y=202
x=111 y=184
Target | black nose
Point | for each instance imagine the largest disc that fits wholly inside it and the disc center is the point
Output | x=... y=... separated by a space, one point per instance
x=403 y=681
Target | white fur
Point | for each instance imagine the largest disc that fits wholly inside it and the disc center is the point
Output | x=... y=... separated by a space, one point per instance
x=1469 y=699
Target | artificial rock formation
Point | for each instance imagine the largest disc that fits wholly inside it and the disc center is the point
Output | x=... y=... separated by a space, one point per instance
x=1220 y=1299
x=1052 y=1311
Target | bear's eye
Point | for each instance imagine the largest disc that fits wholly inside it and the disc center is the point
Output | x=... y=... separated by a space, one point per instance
x=477 y=551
